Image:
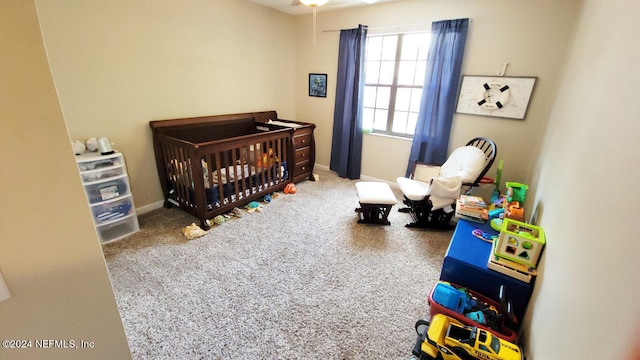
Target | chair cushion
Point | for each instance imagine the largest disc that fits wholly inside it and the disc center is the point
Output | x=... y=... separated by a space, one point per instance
x=412 y=189
x=372 y=192
x=467 y=162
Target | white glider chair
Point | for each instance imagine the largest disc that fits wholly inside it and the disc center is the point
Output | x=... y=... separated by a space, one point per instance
x=431 y=191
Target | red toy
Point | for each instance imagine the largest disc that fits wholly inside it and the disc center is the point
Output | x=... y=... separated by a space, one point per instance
x=290 y=188
x=497 y=316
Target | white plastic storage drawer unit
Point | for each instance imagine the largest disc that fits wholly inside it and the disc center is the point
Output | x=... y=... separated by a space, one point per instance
x=109 y=195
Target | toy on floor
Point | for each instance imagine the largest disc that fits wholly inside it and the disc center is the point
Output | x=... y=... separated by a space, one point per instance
x=192 y=231
x=266 y=199
x=221 y=219
x=217 y=220
x=290 y=188
x=444 y=337
x=236 y=212
x=253 y=206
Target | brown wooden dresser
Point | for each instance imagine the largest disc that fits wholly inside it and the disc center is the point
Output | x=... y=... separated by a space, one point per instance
x=304 y=148
x=304 y=145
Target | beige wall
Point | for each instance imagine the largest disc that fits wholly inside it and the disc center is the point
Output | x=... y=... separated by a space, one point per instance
x=531 y=35
x=49 y=251
x=119 y=64
x=116 y=67
x=585 y=304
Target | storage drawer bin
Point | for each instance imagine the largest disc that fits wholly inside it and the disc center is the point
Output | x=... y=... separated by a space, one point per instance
x=95 y=162
x=112 y=211
x=106 y=190
x=106 y=184
x=96 y=175
x=118 y=230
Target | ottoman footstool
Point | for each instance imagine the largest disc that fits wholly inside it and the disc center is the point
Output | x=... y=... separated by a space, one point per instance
x=376 y=200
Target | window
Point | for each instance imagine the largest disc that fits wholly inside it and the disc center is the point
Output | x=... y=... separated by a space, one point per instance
x=394 y=74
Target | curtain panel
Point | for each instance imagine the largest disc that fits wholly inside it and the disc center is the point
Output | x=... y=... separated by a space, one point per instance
x=431 y=138
x=346 y=144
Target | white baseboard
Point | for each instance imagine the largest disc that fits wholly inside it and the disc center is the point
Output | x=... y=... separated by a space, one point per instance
x=150 y=207
x=363 y=177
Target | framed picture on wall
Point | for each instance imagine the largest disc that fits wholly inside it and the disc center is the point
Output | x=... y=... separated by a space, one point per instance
x=318 y=85
x=499 y=96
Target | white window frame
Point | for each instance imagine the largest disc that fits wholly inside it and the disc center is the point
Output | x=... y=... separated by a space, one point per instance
x=378 y=109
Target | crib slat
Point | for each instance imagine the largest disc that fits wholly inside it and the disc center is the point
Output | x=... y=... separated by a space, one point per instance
x=177 y=174
x=244 y=184
x=281 y=157
x=218 y=181
x=232 y=174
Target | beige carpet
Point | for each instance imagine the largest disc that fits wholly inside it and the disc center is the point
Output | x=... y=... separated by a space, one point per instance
x=299 y=280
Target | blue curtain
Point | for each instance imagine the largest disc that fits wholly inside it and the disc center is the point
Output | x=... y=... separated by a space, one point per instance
x=346 y=144
x=431 y=139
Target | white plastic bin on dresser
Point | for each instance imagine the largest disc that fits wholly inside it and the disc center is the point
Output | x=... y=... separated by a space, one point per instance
x=106 y=185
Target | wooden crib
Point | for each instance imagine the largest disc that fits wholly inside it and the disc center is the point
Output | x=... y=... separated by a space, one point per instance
x=210 y=165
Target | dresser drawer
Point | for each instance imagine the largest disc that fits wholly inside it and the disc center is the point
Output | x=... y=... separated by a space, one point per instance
x=301 y=168
x=303 y=131
x=301 y=140
x=302 y=154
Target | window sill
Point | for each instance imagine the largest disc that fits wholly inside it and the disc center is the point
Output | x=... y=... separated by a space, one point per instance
x=388 y=136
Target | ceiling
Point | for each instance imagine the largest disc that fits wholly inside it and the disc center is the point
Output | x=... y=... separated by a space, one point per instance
x=286 y=7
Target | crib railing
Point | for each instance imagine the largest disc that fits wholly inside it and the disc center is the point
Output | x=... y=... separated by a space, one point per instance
x=211 y=178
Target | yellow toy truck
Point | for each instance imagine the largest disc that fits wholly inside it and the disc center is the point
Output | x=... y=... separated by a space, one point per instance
x=445 y=338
